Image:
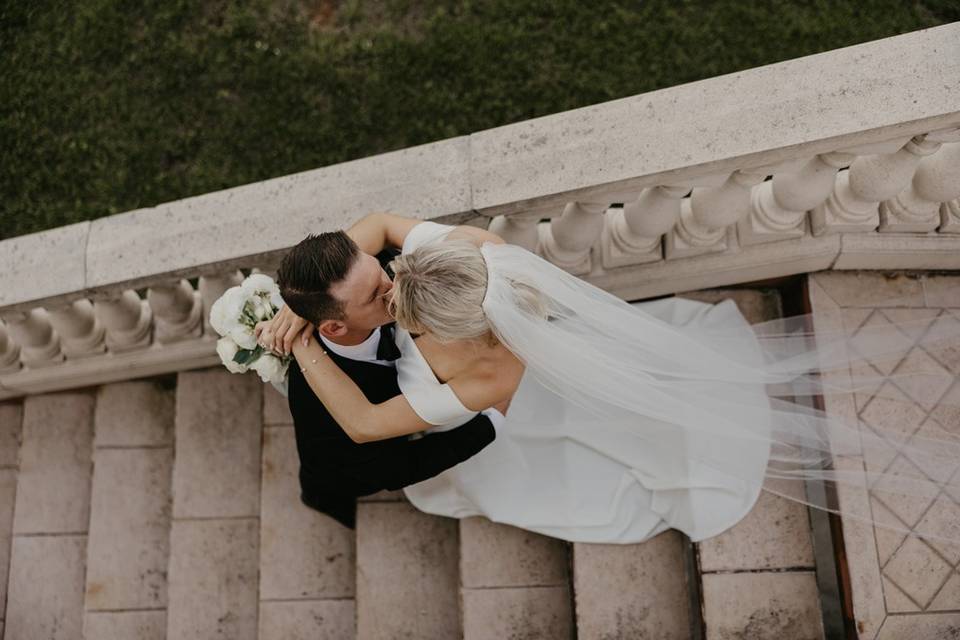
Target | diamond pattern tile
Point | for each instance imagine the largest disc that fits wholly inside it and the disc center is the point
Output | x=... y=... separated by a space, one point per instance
x=948 y=598
x=897 y=601
x=917 y=570
x=907 y=507
x=919 y=319
x=942 y=519
x=926 y=452
x=893 y=415
x=888 y=540
x=867 y=390
x=952 y=489
x=854 y=317
x=862 y=338
x=947 y=413
x=922 y=409
x=945 y=352
x=928 y=380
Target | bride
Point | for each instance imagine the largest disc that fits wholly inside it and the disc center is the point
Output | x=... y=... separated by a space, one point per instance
x=621 y=420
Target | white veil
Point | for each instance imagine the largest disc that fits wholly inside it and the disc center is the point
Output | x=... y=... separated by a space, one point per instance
x=608 y=356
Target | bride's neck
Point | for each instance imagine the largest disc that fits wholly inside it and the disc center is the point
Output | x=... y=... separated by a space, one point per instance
x=487 y=341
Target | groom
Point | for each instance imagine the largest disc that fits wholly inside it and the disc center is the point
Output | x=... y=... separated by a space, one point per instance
x=339 y=286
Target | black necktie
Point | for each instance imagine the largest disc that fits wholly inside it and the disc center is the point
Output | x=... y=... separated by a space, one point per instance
x=387 y=348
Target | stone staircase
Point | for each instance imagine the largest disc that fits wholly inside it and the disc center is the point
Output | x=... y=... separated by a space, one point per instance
x=169 y=508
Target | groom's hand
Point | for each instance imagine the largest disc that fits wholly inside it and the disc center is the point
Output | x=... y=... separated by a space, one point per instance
x=278 y=333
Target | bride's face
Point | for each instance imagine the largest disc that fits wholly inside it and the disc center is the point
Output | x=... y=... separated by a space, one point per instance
x=364 y=293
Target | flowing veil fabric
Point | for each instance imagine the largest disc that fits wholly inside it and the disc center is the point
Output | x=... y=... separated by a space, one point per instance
x=607 y=356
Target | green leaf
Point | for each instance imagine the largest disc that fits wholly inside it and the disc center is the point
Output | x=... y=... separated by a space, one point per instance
x=246 y=356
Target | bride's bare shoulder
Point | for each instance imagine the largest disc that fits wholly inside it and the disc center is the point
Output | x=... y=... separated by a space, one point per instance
x=488 y=380
x=496 y=363
x=469 y=360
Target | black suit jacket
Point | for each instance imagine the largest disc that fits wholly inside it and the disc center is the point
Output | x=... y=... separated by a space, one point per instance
x=334 y=469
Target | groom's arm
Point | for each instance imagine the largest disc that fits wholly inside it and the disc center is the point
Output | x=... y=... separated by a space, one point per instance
x=404 y=462
x=332 y=463
x=377 y=231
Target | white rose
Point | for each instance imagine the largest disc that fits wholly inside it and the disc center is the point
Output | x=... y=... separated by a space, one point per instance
x=259 y=282
x=225 y=312
x=269 y=367
x=282 y=387
x=243 y=336
x=227 y=349
x=276 y=300
x=261 y=308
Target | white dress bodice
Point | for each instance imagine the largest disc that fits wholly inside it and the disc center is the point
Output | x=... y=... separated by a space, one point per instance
x=432 y=400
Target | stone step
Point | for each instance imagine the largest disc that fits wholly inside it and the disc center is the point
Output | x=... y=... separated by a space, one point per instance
x=51 y=513
x=632 y=590
x=407 y=573
x=513 y=583
x=128 y=547
x=307 y=559
x=214 y=538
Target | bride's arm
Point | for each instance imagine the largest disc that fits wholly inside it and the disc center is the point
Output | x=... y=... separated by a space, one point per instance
x=375 y=231
x=360 y=419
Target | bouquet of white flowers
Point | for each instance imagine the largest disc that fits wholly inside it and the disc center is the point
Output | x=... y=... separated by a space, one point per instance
x=234 y=316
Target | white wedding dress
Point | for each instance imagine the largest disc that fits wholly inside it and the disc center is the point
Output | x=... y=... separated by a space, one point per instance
x=556 y=469
x=563 y=471
x=671 y=413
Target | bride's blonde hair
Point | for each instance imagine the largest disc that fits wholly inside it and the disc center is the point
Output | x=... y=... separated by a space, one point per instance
x=439 y=289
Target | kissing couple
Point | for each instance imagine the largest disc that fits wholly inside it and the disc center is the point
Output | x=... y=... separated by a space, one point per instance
x=483 y=380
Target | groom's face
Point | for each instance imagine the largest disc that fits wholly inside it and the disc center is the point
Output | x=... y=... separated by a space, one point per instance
x=364 y=293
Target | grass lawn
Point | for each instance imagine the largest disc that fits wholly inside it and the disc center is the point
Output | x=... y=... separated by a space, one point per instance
x=113 y=105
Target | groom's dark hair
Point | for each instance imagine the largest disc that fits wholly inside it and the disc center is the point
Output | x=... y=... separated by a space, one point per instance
x=310 y=268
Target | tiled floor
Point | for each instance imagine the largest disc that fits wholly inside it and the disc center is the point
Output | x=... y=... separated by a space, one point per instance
x=902 y=585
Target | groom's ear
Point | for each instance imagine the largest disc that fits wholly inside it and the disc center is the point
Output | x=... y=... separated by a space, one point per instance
x=331 y=328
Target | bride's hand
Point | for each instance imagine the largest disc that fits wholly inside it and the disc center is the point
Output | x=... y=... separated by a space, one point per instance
x=278 y=333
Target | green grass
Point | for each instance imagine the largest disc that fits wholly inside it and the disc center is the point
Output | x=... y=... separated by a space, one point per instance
x=113 y=105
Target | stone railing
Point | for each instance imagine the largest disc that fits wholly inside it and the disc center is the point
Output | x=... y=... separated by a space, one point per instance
x=847 y=159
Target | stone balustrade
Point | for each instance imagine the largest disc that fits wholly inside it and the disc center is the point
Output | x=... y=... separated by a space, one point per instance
x=846 y=159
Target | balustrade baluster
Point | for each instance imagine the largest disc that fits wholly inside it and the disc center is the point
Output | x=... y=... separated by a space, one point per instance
x=707 y=216
x=917 y=208
x=950 y=217
x=9 y=351
x=632 y=235
x=566 y=241
x=778 y=207
x=80 y=333
x=127 y=320
x=854 y=204
x=178 y=309
x=518 y=229
x=38 y=341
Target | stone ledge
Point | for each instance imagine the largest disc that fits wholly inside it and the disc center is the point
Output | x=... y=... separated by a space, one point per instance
x=43 y=264
x=842 y=97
